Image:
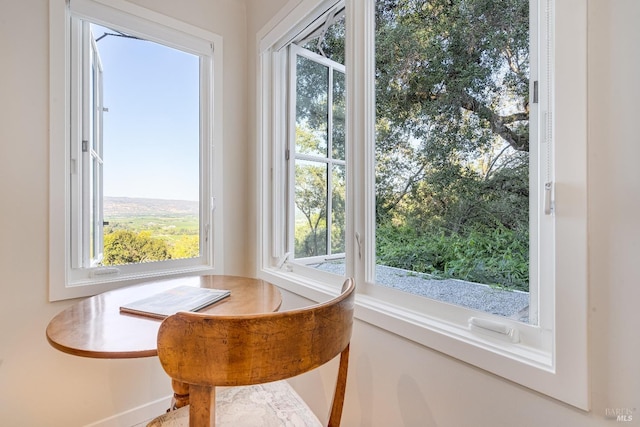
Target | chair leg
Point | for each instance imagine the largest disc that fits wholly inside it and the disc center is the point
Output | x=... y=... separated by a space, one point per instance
x=180 y=394
x=341 y=386
x=202 y=406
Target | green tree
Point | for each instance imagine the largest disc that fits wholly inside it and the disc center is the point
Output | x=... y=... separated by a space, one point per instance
x=310 y=200
x=452 y=87
x=127 y=247
x=188 y=246
x=452 y=126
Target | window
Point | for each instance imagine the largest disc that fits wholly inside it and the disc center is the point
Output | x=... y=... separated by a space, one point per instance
x=452 y=173
x=92 y=166
x=460 y=129
x=453 y=178
x=137 y=147
x=318 y=141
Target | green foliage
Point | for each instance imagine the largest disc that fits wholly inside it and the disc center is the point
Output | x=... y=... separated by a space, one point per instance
x=185 y=247
x=437 y=60
x=496 y=257
x=175 y=225
x=452 y=122
x=135 y=239
x=452 y=138
x=310 y=242
x=311 y=201
x=127 y=247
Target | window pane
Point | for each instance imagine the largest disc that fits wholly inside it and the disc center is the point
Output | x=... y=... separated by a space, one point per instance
x=320 y=143
x=452 y=173
x=312 y=87
x=151 y=146
x=338 y=187
x=310 y=209
x=338 y=129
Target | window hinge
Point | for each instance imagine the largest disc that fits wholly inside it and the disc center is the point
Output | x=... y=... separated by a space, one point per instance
x=85 y=146
x=535 y=92
x=286 y=154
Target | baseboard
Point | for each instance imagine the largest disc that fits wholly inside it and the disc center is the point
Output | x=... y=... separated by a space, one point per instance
x=135 y=416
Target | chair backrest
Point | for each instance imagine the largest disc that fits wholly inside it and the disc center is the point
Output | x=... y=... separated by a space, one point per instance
x=206 y=351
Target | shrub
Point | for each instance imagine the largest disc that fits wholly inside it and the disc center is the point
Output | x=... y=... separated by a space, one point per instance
x=127 y=247
x=497 y=256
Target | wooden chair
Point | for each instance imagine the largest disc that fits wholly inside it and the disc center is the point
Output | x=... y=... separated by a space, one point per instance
x=249 y=357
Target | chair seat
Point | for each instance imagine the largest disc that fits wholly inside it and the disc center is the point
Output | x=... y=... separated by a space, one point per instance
x=263 y=405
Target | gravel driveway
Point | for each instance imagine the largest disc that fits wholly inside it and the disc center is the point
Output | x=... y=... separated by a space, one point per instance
x=512 y=304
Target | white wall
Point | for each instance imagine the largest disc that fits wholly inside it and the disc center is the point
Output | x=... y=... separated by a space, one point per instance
x=40 y=386
x=393 y=382
x=614 y=203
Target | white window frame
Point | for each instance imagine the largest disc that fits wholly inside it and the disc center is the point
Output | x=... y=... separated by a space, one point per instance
x=72 y=273
x=551 y=357
x=328 y=160
x=92 y=163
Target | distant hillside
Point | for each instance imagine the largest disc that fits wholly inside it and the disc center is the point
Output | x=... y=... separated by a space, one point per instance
x=126 y=206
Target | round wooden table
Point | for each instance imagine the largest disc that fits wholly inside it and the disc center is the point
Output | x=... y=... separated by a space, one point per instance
x=94 y=327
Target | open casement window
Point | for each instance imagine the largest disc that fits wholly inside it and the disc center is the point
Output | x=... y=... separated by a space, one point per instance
x=318 y=170
x=92 y=153
x=458 y=198
x=459 y=189
x=132 y=147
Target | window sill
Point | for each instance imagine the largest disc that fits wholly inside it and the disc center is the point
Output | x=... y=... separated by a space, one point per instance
x=93 y=286
x=516 y=362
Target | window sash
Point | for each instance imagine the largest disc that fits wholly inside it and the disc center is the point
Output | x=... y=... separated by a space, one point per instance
x=536 y=338
x=88 y=209
x=328 y=159
x=542 y=226
x=73 y=273
x=361 y=263
x=93 y=224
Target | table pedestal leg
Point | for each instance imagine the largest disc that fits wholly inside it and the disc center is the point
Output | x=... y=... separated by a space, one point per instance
x=180 y=394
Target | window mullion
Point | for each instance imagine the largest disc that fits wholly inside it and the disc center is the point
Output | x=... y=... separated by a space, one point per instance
x=360 y=115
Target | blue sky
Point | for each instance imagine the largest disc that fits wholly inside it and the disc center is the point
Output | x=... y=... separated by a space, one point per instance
x=151 y=130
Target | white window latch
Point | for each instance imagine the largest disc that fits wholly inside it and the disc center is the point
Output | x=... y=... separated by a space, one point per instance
x=495 y=329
